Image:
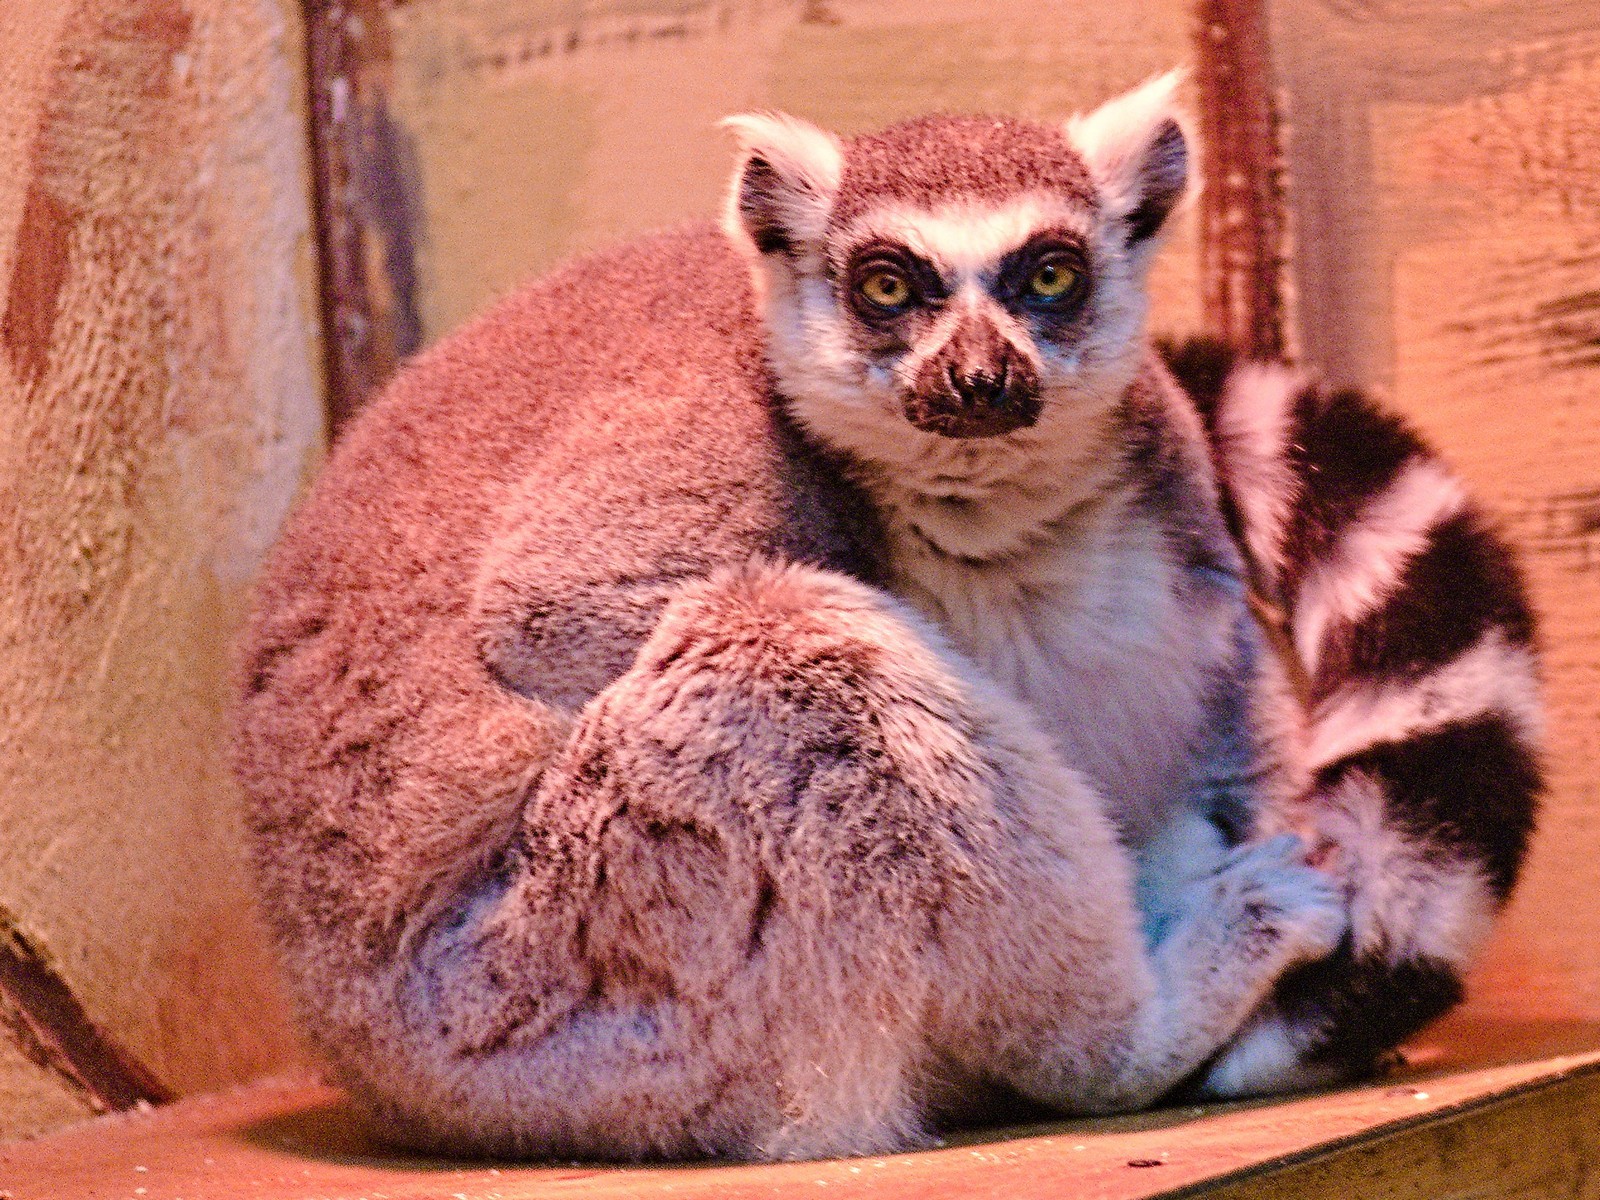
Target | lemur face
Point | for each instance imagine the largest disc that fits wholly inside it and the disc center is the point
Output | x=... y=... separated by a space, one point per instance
x=956 y=277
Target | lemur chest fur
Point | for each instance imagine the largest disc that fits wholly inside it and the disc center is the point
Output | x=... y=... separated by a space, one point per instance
x=1097 y=628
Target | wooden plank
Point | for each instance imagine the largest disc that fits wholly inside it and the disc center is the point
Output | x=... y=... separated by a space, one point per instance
x=1542 y=1145
x=292 y=1140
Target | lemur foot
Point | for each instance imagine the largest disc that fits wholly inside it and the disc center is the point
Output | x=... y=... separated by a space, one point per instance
x=1269 y=886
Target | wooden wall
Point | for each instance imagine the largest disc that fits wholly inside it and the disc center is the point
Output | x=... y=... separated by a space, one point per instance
x=159 y=407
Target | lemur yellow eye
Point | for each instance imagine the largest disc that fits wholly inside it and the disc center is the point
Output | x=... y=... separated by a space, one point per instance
x=886 y=289
x=1053 y=279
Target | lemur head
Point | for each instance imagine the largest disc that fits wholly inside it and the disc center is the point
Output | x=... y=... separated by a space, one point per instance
x=957 y=277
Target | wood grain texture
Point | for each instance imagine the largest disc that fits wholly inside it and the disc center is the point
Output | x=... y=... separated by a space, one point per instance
x=1538 y=1146
x=1242 y=215
x=364 y=202
x=292 y=1140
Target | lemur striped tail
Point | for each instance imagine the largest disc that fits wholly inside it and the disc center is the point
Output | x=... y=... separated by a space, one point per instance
x=1414 y=645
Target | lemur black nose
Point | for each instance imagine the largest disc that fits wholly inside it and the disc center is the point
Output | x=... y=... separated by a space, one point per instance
x=985 y=384
x=976 y=385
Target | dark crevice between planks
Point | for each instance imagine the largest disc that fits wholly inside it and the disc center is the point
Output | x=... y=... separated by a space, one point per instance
x=51 y=1029
x=1243 y=229
x=367 y=202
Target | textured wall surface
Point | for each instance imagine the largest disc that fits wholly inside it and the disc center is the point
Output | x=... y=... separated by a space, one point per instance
x=158 y=409
x=1445 y=208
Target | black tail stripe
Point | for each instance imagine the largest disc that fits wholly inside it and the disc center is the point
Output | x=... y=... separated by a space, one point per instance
x=1344 y=451
x=1463 y=584
x=1360 y=1008
x=1469 y=788
x=1201 y=366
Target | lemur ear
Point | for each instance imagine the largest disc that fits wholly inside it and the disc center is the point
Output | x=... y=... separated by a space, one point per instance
x=1138 y=153
x=785 y=183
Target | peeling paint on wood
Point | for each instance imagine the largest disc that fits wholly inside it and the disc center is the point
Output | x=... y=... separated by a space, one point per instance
x=1242 y=217
x=1569 y=328
x=365 y=199
x=1564 y=528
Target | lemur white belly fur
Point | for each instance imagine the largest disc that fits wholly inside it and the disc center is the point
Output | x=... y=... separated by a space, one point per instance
x=1083 y=626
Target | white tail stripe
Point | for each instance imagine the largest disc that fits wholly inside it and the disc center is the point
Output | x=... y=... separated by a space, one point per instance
x=1369 y=557
x=1491 y=677
x=1408 y=899
x=1253 y=438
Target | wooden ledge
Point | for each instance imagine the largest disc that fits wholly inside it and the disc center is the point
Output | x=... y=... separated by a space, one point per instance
x=1484 y=1108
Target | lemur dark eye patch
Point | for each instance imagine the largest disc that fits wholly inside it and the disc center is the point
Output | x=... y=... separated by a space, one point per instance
x=1048 y=274
x=884 y=280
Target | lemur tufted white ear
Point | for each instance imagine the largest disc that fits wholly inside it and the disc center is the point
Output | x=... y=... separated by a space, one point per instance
x=785 y=183
x=1137 y=150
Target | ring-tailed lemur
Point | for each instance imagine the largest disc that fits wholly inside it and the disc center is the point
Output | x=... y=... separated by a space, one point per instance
x=708 y=703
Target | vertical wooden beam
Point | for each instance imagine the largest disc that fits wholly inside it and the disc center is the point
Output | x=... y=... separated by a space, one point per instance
x=1242 y=223
x=366 y=209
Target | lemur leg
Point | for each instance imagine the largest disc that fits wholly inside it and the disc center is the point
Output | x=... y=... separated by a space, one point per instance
x=720 y=930
x=1068 y=992
x=712 y=936
x=1090 y=1021
x=784 y=855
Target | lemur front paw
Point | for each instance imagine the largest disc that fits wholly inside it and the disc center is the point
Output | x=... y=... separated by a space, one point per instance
x=1267 y=894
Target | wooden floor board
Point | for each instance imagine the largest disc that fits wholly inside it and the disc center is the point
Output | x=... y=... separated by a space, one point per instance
x=1501 y=1109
